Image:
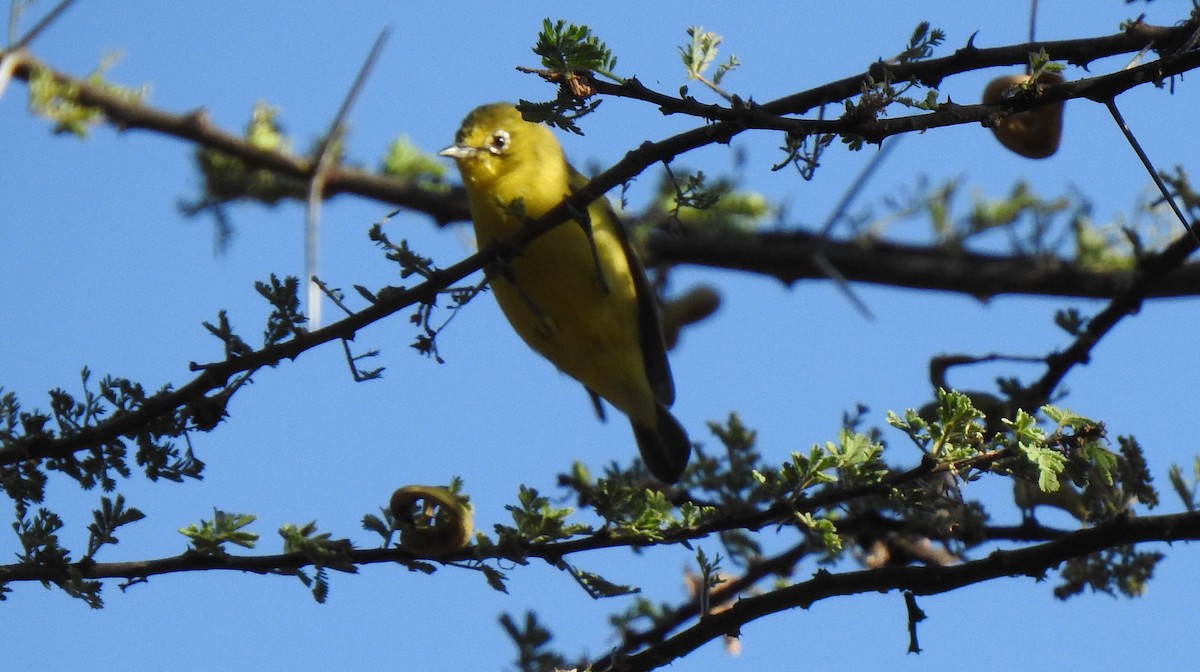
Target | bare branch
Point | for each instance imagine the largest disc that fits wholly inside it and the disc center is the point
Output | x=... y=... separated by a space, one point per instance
x=1148 y=274
x=788 y=256
x=195 y=126
x=41 y=25
x=326 y=158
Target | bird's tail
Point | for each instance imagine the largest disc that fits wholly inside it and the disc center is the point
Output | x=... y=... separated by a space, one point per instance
x=665 y=449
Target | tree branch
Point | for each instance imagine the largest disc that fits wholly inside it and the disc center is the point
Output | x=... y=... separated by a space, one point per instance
x=196 y=127
x=788 y=256
x=1149 y=272
x=551 y=551
x=737 y=118
x=931 y=72
x=1033 y=561
x=782 y=565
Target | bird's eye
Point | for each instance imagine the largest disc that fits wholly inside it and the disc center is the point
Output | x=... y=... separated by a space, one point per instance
x=499 y=142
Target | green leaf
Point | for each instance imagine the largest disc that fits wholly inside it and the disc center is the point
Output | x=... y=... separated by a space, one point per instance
x=384 y=526
x=286 y=319
x=234 y=346
x=1115 y=570
x=698 y=55
x=921 y=43
x=597 y=586
x=538 y=521
x=1185 y=490
x=406 y=160
x=700 y=52
x=58 y=100
x=210 y=536
x=532 y=640
x=495 y=578
x=264 y=131
x=824 y=528
x=1049 y=462
x=565 y=47
x=1070 y=320
x=105 y=521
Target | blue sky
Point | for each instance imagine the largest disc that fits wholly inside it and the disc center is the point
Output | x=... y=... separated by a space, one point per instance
x=100 y=269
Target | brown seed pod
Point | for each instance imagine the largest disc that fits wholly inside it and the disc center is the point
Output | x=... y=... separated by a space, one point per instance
x=694 y=306
x=1034 y=134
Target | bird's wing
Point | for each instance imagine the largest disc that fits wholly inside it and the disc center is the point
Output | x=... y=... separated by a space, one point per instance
x=654 y=350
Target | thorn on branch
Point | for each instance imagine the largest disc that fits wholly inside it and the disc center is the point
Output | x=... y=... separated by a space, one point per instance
x=915 y=616
x=1111 y=103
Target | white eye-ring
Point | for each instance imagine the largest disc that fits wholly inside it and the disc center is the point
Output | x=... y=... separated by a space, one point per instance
x=498 y=143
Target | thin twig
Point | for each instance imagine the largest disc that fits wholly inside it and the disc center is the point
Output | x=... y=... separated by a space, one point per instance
x=14 y=14
x=839 y=280
x=359 y=81
x=326 y=158
x=333 y=296
x=40 y=25
x=839 y=210
x=8 y=63
x=1111 y=103
x=312 y=236
x=856 y=187
x=1033 y=11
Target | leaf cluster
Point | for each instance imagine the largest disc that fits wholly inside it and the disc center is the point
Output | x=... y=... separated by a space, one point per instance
x=699 y=54
x=58 y=100
x=405 y=160
x=210 y=536
x=570 y=54
x=323 y=553
x=566 y=47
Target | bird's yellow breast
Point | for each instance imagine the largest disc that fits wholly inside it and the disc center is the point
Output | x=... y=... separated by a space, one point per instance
x=551 y=292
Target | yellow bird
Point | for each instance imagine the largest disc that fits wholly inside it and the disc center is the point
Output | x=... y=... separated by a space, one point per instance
x=584 y=304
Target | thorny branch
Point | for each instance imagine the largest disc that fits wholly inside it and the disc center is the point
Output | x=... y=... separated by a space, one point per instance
x=196 y=127
x=445 y=208
x=1032 y=561
x=551 y=551
x=767 y=116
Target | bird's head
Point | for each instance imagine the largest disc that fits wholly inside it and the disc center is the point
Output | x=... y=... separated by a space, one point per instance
x=495 y=143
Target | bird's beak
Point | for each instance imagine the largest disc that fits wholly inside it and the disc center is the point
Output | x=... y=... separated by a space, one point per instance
x=459 y=151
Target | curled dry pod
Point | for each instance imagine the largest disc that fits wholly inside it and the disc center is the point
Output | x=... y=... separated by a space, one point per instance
x=1034 y=134
x=432 y=520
